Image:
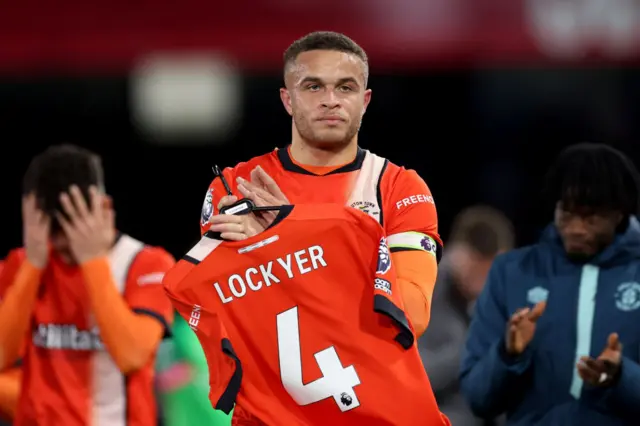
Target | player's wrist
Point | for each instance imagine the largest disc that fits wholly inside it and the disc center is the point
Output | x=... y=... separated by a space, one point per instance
x=508 y=354
x=36 y=263
x=32 y=266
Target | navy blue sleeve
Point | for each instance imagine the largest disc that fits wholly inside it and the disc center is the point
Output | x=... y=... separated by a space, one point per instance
x=489 y=377
x=625 y=393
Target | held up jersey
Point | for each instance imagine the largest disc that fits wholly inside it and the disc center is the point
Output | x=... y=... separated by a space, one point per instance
x=302 y=324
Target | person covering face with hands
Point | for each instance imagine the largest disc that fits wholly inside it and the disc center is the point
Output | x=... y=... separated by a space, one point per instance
x=82 y=302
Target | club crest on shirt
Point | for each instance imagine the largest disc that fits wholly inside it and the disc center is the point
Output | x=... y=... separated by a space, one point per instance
x=207 y=207
x=537 y=294
x=628 y=296
x=384 y=259
x=366 y=207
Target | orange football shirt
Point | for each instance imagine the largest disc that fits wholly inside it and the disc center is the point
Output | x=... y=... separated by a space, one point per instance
x=69 y=379
x=310 y=321
x=396 y=197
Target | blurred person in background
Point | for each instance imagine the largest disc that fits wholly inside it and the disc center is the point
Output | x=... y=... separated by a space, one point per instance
x=554 y=337
x=478 y=235
x=83 y=302
x=183 y=381
x=325 y=93
x=9 y=389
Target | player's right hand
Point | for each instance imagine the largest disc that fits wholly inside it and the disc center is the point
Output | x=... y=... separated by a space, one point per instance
x=235 y=227
x=36 y=227
x=521 y=328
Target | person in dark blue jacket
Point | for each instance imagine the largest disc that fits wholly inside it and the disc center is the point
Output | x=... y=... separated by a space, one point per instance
x=555 y=337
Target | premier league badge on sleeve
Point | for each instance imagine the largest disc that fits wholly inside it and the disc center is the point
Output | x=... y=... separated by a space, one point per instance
x=207 y=207
x=384 y=258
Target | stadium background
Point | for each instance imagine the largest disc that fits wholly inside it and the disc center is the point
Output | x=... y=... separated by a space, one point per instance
x=476 y=96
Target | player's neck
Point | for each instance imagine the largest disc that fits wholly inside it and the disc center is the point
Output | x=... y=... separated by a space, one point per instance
x=306 y=154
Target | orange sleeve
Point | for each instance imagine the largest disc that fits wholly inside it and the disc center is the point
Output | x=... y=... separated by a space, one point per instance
x=10 y=382
x=213 y=196
x=9 y=269
x=417 y=272
x=130 y=338
x=144 y=292
x=19 y=283
x=411 y=224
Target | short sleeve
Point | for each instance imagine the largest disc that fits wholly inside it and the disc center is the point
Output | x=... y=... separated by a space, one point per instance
x=144 y=292
x=411 y=219
x=212 y=198
x=410 y=205
x=9 y=269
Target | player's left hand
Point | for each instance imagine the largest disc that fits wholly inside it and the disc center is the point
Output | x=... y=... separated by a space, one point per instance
x=90 y=229
x=603 y=370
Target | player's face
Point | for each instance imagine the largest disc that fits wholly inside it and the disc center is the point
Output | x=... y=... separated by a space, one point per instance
x=585 y=232
x=326 y=95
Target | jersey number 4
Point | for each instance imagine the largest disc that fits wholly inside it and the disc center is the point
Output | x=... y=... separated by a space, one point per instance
x=337 y=382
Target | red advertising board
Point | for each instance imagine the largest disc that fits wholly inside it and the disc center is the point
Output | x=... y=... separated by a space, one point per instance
x=103 y=35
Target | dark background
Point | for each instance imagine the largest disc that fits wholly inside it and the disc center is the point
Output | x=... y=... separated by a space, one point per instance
x=475 y=136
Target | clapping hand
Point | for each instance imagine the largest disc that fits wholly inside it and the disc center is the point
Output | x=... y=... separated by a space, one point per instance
x=521 y=328
x=603 y=370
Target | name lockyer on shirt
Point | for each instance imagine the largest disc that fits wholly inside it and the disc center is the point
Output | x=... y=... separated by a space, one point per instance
x=273 y=272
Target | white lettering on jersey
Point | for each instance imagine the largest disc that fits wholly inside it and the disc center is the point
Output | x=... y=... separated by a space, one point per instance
x=194 y=319
x=153 y=278
x=259 y=244
x=414 y=199
x=67 y=336
x=382 y=285
x=259 y=277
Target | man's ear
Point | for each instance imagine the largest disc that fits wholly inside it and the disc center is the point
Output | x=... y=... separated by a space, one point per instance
x=367 y=100
x=285 y=97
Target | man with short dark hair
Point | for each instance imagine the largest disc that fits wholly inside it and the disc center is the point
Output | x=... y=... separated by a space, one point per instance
x=325 y=40
x=554 y=338
x=326 y=95
x=81 y=301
